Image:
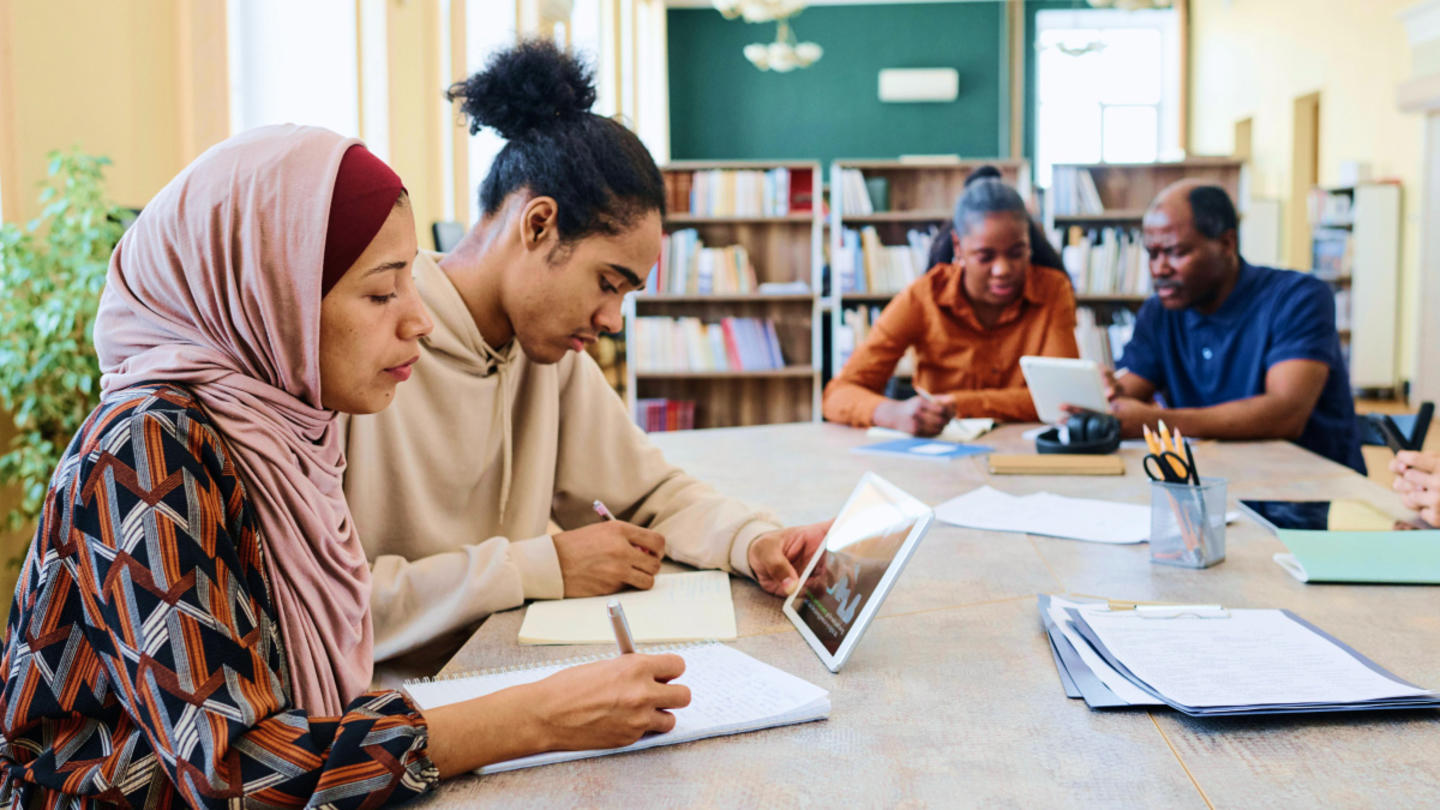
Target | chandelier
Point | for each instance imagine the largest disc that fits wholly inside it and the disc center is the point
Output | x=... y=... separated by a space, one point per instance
x=785 y=53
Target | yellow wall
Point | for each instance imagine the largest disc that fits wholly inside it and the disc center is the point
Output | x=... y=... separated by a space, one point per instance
x=1252 y=58
x=117 y=78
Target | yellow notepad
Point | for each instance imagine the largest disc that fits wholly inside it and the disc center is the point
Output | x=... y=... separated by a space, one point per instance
x=681 y=607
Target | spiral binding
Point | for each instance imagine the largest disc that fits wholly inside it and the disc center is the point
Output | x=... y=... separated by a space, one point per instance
x=568 y=662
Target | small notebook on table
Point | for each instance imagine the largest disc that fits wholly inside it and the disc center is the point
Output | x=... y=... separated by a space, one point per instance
x=1056 y=464
x=691 y=606
x=730 y=693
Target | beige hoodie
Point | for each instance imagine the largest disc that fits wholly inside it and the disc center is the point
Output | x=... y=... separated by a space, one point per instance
x=453 y=486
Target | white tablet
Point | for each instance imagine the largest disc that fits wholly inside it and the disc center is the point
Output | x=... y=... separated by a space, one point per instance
x=1056 y=381
x=848 y=577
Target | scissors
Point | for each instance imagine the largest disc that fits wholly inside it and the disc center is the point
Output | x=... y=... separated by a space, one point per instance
x=1171 y=468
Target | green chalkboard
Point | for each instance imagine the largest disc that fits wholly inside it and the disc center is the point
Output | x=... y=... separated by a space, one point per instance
x=722 y=108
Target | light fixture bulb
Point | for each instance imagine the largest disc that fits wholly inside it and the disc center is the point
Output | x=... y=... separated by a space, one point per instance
x=758 y=54
x=808 y=53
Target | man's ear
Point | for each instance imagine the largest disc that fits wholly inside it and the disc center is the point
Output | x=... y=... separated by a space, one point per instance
x=955 y=243
x=538 y=223
x=1230 y=241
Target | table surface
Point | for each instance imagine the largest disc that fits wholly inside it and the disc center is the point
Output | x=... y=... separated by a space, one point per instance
x=952 y=697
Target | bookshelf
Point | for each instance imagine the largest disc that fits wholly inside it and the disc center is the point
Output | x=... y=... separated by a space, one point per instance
x=896 y=203
x=1093 y=213
x=1355 y=249
x=713 y=210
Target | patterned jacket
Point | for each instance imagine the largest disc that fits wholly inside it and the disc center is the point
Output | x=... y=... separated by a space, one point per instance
x=143 y=663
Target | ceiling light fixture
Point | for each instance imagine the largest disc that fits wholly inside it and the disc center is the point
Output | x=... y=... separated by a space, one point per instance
x=785 y=53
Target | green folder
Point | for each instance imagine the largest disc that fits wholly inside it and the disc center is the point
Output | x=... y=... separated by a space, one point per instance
x=1411 y=557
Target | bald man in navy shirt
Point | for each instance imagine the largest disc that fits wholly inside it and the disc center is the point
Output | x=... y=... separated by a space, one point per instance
x=1234 y=350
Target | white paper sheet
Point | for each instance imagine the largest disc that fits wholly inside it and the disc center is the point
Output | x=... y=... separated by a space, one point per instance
x=1253 y=657
x=1051 y=515
x=1047 y=514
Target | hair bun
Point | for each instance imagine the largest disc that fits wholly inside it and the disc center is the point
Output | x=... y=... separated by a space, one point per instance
x=525 y=89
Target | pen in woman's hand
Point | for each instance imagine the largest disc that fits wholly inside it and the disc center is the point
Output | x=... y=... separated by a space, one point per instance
x=623 y=639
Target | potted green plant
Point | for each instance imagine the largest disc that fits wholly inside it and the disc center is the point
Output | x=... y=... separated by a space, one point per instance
x=51 y=272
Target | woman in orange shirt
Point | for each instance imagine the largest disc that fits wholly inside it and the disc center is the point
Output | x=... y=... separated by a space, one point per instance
x=970 y=322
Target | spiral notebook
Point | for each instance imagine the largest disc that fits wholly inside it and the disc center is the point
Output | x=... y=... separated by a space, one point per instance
x=730 y=693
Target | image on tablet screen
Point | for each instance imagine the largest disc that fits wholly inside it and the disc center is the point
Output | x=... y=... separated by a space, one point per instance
x=857 y=552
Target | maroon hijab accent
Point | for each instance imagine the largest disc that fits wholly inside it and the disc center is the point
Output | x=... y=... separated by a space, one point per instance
x=365 y=191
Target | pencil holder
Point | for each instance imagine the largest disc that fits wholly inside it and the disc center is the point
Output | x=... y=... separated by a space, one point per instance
x=1187 y=523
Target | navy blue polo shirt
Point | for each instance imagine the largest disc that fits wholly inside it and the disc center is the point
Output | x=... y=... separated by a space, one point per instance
x=1271 y=316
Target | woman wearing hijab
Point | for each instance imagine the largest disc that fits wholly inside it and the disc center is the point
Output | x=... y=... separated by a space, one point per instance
x=191 y=624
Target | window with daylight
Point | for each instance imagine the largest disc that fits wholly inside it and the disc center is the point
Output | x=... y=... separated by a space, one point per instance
x=1107 y=88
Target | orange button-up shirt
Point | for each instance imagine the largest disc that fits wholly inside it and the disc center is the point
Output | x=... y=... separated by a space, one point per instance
x=978 y=367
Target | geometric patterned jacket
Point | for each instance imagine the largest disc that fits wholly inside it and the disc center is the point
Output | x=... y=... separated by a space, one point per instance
x=143 y=664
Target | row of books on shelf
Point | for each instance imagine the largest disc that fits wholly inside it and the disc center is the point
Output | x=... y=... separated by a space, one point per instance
x=1329 y=208
x=859 y=195
x=863 y=264
x=1332 y=253
x=657 y=414
x=1107 y=261
x=688 y=344
x=687 y=267
x=1103 y=342
x=1073 y=191
x=854 y=329
x=740 y=192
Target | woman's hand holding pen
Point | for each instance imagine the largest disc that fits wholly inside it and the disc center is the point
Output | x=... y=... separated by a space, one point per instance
x=612 y=702
x=1417 y=479
x=601 y=705
x=917 y=415
x=604 y=557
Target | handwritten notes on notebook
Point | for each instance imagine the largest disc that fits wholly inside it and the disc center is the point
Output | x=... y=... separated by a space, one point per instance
x=681 y=607
x=730 y=693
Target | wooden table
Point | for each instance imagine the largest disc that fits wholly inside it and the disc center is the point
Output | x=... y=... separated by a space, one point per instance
x=952 y=698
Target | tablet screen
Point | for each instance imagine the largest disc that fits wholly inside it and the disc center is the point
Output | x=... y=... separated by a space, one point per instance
x=861 y=544
x=1332 y=516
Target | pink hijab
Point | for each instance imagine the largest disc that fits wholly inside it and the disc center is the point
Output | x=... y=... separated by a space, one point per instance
x=217 y=287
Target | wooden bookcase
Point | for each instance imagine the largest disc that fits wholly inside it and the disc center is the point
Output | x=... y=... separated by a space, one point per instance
x=921 y=194
x=783 y=248
x=1125 y=191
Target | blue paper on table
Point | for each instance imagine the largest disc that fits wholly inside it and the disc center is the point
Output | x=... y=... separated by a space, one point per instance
x=924 y=448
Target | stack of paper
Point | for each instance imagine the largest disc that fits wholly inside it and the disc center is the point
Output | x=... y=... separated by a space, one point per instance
x=1208 y=661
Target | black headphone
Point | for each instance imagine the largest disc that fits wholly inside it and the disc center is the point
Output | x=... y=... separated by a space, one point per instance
x=1084 y=432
